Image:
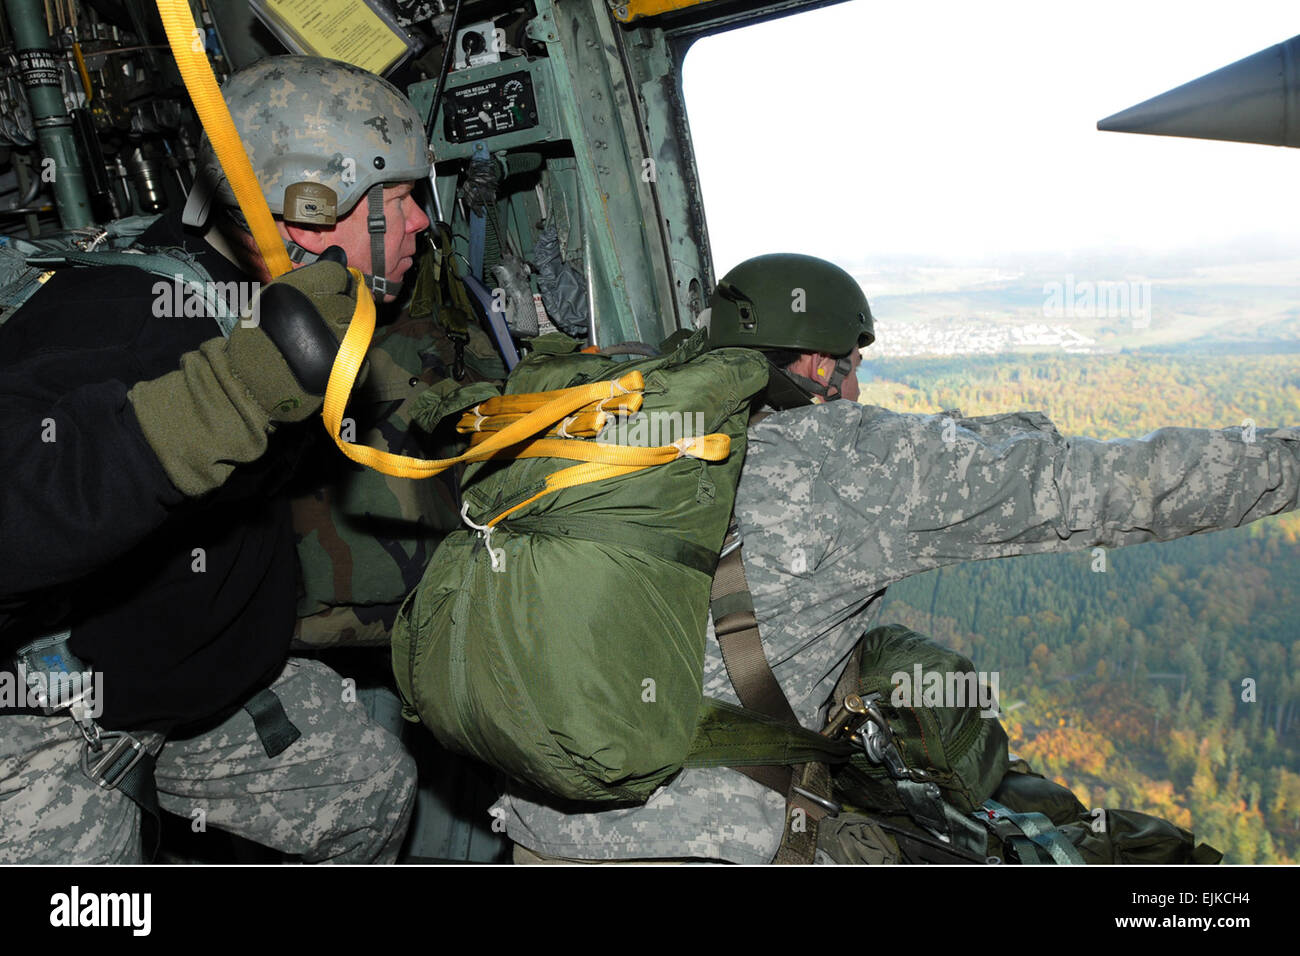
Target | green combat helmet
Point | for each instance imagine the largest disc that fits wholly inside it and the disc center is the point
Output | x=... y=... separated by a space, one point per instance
x=783 y=303
x=320 y=135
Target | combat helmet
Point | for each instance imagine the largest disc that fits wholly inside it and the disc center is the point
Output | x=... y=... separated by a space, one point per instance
x=320 y=134
x=784 y=303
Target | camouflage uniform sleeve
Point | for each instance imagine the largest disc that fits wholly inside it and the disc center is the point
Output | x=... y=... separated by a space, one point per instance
x=931 y=490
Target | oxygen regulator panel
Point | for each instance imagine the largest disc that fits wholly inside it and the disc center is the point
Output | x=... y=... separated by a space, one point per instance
x=498 y=105
x=509 y=104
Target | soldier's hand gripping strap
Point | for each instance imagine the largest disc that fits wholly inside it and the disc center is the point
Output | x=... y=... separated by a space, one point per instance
x=306 y=314
x=214 y=412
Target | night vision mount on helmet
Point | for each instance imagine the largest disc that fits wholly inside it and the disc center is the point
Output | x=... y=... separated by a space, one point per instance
x=786 y=302
x=320 y=135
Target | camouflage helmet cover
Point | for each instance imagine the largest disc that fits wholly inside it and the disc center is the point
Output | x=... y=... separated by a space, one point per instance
x=307 y=119
x=790 y=301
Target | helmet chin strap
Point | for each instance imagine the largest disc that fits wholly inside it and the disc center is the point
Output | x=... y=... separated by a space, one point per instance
x=378 y=285
x=376 y=225
x=843 y=366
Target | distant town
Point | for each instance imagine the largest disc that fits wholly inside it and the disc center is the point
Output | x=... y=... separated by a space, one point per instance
x=900 y=339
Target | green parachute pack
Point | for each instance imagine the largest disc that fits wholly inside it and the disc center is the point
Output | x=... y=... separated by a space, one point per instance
x=564 y=642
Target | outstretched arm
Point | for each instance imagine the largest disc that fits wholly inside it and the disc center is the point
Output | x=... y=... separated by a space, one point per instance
x=912 y=492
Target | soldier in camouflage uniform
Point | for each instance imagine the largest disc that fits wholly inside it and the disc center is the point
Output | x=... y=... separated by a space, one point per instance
x=192 y=642
x=839 y=500
x=364 y=538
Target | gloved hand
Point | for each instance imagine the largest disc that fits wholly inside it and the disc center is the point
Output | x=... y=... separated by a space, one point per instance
x=298 y=322
x=216 y=410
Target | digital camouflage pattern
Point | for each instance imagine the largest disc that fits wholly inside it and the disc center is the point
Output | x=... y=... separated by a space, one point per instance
x=341 y=793
x=322 y=121
x=364 y=538
x=838 y=501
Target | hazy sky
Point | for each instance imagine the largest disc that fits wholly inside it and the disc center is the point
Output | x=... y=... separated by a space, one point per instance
x=870 y=132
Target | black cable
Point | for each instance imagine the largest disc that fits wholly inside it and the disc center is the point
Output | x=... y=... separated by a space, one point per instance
x=448 y=55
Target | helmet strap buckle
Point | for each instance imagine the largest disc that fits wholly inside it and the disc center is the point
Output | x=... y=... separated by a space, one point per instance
x=377 y=224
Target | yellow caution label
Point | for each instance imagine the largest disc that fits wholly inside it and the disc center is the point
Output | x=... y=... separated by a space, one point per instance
x=339 y=29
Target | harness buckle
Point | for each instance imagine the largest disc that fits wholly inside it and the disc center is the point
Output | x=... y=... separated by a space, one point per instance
x=732 y=540
x=848 y=718
x=111 y=766
x=876 y=739
x=55 y=678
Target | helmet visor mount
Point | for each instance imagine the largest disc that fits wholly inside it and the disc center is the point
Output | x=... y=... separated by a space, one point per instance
x=310 y=204
x=747 y=314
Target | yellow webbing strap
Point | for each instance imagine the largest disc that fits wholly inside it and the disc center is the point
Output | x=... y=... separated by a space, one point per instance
x=187 y=47
x=512 y=441
x=559 y=405
x=708 y=447
x=585 y=424
x=526 y=402
x=610 y=461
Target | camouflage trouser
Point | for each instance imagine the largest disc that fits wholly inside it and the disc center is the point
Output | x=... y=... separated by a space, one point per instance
x=340 y=793
x=522 y=856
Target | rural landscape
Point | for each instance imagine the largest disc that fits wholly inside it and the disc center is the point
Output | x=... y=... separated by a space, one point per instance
x=1164 y=677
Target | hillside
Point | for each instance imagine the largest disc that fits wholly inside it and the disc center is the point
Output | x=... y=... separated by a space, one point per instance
x=1168 y=682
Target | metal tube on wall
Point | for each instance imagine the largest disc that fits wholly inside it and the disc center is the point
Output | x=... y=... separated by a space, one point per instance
x=39 y=67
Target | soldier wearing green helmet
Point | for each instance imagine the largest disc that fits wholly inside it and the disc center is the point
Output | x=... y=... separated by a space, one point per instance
x=808 y=315
x=837 y=500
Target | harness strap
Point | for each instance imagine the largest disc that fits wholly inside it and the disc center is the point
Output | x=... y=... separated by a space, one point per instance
x=135 y=780
x=274 y=728
x=1039 y=832
x=807 y=786
x=738 y=637
x=159 y=263
x=448 y=292
x=808 y=782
